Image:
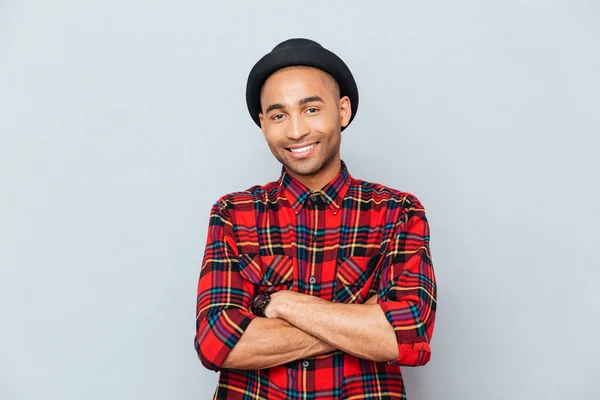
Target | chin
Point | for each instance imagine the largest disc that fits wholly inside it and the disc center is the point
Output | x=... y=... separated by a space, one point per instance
x=308 y=167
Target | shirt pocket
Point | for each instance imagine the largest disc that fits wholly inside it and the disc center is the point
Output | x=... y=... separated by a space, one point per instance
x=356 y=279
x=269 y=273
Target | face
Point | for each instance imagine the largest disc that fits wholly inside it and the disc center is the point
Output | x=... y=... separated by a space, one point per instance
x=302 y=120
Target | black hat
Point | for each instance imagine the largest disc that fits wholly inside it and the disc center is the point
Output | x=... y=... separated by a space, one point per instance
x=294 y=52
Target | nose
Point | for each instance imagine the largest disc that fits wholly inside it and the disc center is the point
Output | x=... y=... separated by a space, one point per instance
x=299 y=127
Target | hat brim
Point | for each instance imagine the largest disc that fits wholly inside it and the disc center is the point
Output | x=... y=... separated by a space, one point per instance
x=310 y=56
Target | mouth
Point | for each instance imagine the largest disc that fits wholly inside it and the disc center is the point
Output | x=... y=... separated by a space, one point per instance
x=301 y=152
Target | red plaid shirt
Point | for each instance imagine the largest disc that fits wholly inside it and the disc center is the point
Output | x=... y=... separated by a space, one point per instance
x=349 y=241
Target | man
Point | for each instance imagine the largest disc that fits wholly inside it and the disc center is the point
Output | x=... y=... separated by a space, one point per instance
x=318 y=285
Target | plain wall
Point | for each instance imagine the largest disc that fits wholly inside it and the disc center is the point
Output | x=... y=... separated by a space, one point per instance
x=122 y=122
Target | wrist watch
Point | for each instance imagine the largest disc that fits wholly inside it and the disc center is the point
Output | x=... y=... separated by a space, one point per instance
x=259 y=303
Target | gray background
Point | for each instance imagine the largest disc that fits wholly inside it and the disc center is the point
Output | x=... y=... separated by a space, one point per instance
x=123 y=121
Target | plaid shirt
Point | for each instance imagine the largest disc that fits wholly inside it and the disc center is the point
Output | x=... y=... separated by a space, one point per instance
x=345 y=243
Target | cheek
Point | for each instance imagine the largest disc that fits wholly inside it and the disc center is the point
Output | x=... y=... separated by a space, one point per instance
x=317 y=124
x=326 y=122
x=273 y=138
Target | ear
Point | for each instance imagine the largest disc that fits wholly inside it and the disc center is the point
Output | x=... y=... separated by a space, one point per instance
x=345 y=111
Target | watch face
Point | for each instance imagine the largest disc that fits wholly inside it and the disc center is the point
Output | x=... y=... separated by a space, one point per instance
x=259 y=303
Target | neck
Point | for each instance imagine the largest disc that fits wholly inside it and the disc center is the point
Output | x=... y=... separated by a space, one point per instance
x=317 y=181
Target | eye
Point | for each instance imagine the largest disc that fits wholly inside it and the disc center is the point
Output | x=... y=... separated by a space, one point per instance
x=277 y=117
x=312 y=110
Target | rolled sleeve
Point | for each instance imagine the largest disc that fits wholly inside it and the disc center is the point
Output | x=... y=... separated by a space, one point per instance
x=408 y=288
x=222 y=314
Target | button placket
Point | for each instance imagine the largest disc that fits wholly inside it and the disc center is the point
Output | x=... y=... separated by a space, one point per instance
x=315 y=207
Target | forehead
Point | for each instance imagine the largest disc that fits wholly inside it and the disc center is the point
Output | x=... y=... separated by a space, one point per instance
x=294 y=83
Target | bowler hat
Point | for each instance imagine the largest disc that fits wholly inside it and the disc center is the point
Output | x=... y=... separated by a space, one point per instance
x=299 y=52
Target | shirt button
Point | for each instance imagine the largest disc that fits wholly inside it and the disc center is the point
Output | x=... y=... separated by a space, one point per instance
x=305 y=364
x=312 y=280
x=314 y=198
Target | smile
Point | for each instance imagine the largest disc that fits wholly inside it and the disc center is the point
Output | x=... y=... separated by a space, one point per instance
x=303 y=149
x=302 y=152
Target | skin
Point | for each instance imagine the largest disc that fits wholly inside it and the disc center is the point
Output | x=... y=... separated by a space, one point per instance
x=268 y=342
x=358 y=329
x=302 y=106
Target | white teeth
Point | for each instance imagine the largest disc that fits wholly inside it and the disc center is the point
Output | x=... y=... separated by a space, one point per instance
x=302 y=149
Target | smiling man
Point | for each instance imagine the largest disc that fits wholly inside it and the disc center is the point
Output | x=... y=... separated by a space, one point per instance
x=318 y=285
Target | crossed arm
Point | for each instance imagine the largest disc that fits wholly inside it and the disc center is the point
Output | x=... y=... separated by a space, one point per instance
x=395 y=327
x=301 y=326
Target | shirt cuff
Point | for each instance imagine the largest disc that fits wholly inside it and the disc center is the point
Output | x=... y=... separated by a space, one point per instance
x=412 y=351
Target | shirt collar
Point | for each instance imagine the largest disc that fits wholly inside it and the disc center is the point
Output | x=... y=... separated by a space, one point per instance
x=333 y=193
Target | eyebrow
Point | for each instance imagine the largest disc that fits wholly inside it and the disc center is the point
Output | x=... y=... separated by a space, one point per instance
x=309 y=100
x=279 y=106
x=276 y=106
